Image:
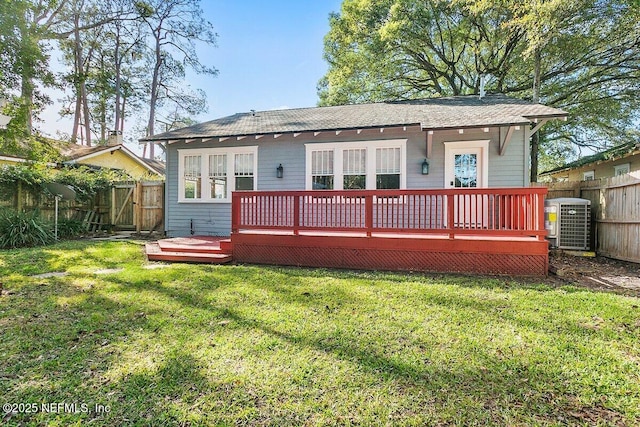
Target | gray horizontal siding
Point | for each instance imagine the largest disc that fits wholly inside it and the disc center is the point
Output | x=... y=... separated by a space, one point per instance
x=215 y=218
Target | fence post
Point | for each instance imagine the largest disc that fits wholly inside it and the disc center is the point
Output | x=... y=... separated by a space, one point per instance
x=19 y=197
x=139 y=210
x=113 y=205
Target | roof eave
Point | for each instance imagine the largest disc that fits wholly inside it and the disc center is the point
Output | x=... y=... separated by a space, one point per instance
x=595 y=162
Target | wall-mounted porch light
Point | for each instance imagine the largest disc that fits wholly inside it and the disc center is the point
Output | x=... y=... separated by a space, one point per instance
x=279 y=171
x=425 y=167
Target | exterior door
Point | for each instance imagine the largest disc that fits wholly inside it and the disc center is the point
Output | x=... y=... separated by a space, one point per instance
x=466 y=167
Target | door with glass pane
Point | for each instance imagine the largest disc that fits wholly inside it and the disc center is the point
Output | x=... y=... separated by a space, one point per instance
x=465 y=165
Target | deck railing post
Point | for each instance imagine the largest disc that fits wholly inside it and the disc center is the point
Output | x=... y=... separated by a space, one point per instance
x=368 y=214
x=539 y=210
x=235 y=212
x=296 y=214
x=450 y=214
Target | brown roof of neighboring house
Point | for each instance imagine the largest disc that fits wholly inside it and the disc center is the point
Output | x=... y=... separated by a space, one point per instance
x=614 y=153
x=74 y=153
x=433 y=113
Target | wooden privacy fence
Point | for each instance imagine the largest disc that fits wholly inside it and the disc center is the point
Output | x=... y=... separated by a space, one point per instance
x=136 y=206
x=615 y=212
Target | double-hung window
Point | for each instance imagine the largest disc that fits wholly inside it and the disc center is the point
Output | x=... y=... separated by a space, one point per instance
x=358 y=165
x=388 y=168
x=211 y=174
x=322 y=174
x=192 y=177
x=243 y=166
x=354 y=169
x=218 y=175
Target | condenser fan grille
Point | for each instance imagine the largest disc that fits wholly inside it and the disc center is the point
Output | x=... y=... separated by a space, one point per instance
x=574 y=226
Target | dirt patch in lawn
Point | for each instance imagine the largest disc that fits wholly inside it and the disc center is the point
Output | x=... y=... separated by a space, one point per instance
x=595 y=272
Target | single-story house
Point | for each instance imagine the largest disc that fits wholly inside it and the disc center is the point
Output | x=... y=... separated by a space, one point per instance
x=101 y=156
x=434 y=184
x=116 y=156
x=619 y=160
x=424 y=144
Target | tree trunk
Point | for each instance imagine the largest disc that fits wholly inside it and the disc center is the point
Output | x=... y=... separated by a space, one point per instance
x=118 y=65
x=535 y=139
x=81 y=87
x=26 y=89
x=154 y=90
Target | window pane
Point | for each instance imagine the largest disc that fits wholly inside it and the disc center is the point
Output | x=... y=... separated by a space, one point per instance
x=192 y=166
x=388 y=181
x=219 y=188
x=355 y=182
x=322 y=182
x=192 y=189
x=388 y=160
x=322 y=162
x=244 y=183
x=354 y=161
x=244 y=164
x=218 y=165
x=466 y=170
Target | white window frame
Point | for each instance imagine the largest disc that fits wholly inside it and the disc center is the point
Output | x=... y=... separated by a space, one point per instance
x=370 y=146
x=622 y=169
x=204 y=171
x=589 y=175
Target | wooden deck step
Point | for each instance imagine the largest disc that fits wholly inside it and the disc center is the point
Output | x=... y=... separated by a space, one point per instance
x=156 y=253
x=196 y=244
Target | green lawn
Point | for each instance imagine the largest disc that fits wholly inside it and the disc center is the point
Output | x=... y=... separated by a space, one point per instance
x=247 y=345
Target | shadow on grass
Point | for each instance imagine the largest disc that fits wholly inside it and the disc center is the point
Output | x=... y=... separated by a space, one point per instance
x=88 y=331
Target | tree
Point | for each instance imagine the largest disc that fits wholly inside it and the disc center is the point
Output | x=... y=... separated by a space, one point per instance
x=583 y=56
x=96 y=58
x=175 y=26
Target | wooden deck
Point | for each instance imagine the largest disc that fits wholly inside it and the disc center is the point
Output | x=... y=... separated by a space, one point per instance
x=489 y=231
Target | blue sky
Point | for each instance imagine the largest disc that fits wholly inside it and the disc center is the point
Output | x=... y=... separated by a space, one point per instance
x=269 y=56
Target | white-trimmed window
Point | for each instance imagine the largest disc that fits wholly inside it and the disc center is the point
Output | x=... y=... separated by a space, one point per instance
x=369 y=165
x=621 y=169
x=589 y=176
x=388 y=168
x=218 y=175
x=354 y=169
x=322 y=169
x=243 y=167
x=223 y=169
x=192 y=177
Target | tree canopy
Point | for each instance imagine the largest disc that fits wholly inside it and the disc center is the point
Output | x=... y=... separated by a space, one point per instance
x=121 y=57
x=579 y=55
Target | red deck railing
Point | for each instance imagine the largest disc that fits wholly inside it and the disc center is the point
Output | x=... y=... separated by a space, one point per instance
x=475 y=211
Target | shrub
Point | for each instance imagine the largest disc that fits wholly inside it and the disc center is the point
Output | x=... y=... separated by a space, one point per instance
x=69 y=228
x=19 y=229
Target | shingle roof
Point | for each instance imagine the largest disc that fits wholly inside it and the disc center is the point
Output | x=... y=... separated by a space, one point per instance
x=75 y=151
x=157 y=165
x=433 y=113
x=617 y=152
